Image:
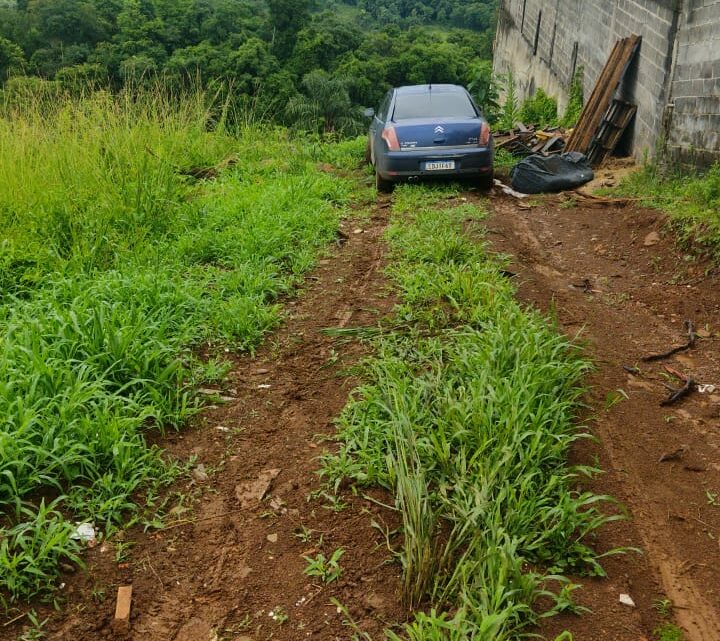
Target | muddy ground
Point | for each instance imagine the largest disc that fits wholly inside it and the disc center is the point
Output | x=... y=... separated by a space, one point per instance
x=231 y=568
x=612 y=275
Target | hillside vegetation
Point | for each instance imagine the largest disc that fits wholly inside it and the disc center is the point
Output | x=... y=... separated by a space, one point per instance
x=691 y=200
x=270 y=54
x=117 y=266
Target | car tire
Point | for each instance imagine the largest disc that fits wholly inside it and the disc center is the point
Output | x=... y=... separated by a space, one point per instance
x=486 y=181
x=383 y=186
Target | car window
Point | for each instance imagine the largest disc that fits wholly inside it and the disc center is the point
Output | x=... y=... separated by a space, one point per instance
x=434 y=104
x=384 y=106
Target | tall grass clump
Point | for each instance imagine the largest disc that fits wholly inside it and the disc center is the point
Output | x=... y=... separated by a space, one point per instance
x=115 y=266
x=690 y=198
x=574 y=107
x=466 y=417
x=540 y=109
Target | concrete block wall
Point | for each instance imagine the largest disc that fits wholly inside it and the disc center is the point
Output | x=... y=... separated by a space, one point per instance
x=681 y=40
x=694 y=136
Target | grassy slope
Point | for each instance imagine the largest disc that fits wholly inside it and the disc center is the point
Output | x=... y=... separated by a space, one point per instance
x=691 y=201
x=466 y=417
x=114 y=268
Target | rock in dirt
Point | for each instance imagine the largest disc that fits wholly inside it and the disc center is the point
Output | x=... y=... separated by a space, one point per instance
x=200 y=473
x=195 y=630
x=626 y=599
x=250 y=493
x=85 y=532
x=209 y=391
x=273 y=538
x=653 y=238
x=375 y=601
x=244 y=570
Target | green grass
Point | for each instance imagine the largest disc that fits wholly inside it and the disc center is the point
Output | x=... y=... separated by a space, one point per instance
x=668 y=632
x=692 y=202
x=466 y=417
x=115 y=268
x=504 y=161
x=327 y=570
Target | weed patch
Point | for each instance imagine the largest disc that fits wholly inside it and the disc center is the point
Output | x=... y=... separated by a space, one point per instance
x=466 y=416
x=692 y=202
x=116 y=265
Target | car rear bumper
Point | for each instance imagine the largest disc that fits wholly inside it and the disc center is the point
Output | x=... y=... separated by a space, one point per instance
x=403 y=164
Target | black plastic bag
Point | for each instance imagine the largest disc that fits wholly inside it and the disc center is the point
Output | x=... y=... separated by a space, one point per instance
x=537 y=174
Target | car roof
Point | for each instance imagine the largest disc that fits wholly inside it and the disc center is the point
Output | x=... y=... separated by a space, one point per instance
x=416 y=89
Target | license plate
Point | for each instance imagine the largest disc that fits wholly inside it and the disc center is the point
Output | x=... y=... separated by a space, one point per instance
x=440 y=165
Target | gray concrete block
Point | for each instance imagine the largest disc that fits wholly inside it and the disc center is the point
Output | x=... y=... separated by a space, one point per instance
x=595 y=25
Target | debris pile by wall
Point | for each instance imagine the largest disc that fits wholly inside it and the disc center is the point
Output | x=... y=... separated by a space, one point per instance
x=674 y=81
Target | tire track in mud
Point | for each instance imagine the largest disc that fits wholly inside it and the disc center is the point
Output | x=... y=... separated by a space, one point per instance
x=228 y=572
x=234 y=573
x=636 y=303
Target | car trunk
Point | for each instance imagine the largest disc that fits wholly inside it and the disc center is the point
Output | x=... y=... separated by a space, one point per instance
x=440 y=133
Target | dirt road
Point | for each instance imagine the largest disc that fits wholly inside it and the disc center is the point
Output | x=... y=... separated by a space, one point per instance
x=610 y=275
x=232 y=567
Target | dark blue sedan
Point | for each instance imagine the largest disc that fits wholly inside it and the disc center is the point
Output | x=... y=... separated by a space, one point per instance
x=429 y=130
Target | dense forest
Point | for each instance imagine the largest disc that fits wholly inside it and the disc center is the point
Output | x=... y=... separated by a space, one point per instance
x=316 y=61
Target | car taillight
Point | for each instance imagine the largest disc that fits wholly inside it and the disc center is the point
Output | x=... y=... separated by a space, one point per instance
x=484 y=135
x=389 y=135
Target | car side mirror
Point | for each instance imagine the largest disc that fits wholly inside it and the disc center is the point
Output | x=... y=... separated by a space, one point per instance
x=369 y=112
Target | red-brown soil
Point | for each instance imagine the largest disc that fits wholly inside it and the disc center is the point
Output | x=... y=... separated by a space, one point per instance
x=597 y=269
x=225 y=566
x=223 y=574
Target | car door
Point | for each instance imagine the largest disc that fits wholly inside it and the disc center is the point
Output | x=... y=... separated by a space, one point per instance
x=378 y=123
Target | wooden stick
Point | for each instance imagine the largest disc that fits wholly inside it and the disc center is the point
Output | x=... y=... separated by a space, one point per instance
x=207 y=518
x=690 y=343
x=680 y=393
x=17 y=618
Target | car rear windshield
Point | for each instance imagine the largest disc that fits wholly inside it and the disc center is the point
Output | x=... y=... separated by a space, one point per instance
x=433 y=105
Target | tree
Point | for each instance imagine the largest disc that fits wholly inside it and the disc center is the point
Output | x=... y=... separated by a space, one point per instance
x=204 y=59
x=82 y=78
x=139 y=42
x=484 y=89
x=324 y=106
x=287 y=17
x=251 y=65
x=11 y=59
x=321 y=43
x=231 y=21
x=68 y=21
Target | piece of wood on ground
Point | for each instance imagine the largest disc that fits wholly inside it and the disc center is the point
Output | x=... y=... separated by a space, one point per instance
x=508 y=142
x=551 y=142
x=690 y=329
x=677 y=394
x=122 y=608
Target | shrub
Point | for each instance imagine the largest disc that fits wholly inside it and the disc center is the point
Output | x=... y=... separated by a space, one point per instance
x=540 y=109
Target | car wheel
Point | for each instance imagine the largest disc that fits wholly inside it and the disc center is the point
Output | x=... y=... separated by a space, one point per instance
x=486 y=181
x=383 y=186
